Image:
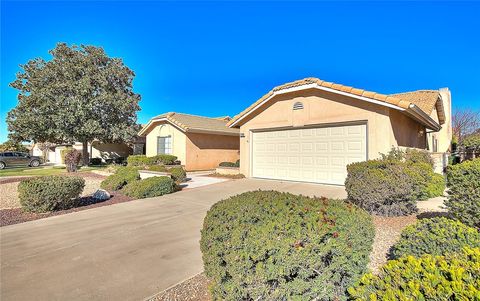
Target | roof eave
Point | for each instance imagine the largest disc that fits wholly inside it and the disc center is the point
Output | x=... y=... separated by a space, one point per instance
x=422 y=117
x=213 y=132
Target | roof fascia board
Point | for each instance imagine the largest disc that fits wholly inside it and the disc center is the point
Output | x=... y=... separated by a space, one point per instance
x=316 y=86
x=423 y=117
x=153 y=120
x=202 y=131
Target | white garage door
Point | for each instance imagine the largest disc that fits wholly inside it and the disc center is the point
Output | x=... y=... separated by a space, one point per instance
x=318 y=155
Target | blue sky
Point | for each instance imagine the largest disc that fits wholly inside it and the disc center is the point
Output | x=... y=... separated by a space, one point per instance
x=216 y=58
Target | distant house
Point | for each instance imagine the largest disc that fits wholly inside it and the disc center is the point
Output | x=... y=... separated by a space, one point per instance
x=310 y=130
x=199 y=142
x=96 y=149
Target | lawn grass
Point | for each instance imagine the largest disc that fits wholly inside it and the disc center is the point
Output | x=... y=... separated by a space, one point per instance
x=41 y=171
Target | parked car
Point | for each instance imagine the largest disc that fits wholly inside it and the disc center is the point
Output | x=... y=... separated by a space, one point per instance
x=17 y=159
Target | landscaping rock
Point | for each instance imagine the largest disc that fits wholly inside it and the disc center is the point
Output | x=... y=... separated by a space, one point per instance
x=101 y=195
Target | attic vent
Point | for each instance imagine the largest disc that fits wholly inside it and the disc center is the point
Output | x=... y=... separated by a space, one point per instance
x=298 y=106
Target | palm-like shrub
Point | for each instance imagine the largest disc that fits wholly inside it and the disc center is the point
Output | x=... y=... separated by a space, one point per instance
x=435 y=236
x=455 y=276
x=268 y=245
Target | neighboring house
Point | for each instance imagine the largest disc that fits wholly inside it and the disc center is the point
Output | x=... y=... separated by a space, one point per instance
x=96 y=149
x=309 y=130
x=199 y=142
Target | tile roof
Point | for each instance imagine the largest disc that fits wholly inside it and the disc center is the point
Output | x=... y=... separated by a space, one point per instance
x=396 y=99
x=424 y=99
x=193 y=123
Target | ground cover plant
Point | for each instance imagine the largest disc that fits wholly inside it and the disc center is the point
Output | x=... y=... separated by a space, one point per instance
x=49 y=193
x=435 y=236
x=268 y=245
x=455 y=276
x=463 y=181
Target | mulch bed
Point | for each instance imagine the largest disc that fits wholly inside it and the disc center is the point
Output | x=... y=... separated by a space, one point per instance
x=17 y=215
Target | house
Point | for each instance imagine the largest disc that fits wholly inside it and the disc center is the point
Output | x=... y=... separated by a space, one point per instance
x=309 y=130
x=200 y=143
x=96 y=149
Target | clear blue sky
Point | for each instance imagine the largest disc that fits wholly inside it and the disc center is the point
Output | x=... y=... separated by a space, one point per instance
x=216 y=58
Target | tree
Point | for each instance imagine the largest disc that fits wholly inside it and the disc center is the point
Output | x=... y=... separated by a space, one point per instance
x=465 y=122
x=81 y=94
x=13 y=146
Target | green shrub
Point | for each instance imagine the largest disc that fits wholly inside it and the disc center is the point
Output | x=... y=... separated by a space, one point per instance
x=237 y=163
x=150 y=187
x=435 y=236
x=159 y=168
x=48 y=193
x=409 y=155
x=383 y=187
x=463 y=181
x=436 y=186
x=142 y=160
x=178 y=174
x=268 y=245
x=122 y=177
x=227 y=164
x=455 y=276
x=96 y=161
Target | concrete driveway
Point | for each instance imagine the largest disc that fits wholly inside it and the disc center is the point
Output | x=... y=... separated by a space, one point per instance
x=126 y=251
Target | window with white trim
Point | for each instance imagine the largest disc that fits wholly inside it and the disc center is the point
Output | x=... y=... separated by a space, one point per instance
x=164 y=145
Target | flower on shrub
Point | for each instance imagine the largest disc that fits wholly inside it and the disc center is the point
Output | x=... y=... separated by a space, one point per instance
x=268 y=245
x=455 y=276
x=435 y=236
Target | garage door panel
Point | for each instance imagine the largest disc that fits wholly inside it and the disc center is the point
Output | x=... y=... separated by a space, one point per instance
x=313 y=155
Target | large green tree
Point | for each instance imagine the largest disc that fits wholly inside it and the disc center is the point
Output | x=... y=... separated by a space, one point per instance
x=81 y=94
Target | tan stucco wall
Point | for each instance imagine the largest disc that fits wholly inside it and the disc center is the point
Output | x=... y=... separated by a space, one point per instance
x=109 y=150
x=162 y=129
x=206 y=151
x=444 y=136
x=385 y=128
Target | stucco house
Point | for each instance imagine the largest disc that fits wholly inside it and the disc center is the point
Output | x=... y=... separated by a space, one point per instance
x=200 y=143
x=309 y=130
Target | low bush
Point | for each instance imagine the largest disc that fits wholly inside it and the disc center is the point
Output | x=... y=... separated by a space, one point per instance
x=227 y=164
x=122 y=176
x=142 y=160
x=455 y=276
x=383 y=187
x=409 y=155
x=268 y=245
x=159 y=168
x=436 y=186
x=435 y=236
x=237 y=163
x=463 y=181
x=49 y=193
x=178 y=174
x=95 y=161
x=150 y=187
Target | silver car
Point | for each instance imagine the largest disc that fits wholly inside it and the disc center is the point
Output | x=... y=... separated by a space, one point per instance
x=18 y=159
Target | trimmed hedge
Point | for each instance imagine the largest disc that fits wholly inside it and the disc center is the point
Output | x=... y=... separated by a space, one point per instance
x=268 y=245
x=436 y=186
x=150 y=187
x=455 y=276
x=463 y=181
x=435 y=236
x=178 y=174
x=382 y=187
x=409 y=155
x=49 y=193
x=122 y=177
x=142 y=160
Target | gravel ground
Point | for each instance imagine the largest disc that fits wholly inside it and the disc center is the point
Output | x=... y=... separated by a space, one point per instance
x=193 y=289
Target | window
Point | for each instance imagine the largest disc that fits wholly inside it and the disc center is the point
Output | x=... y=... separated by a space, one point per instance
x=298 y=106
x=8 y=154
x=164 y=145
